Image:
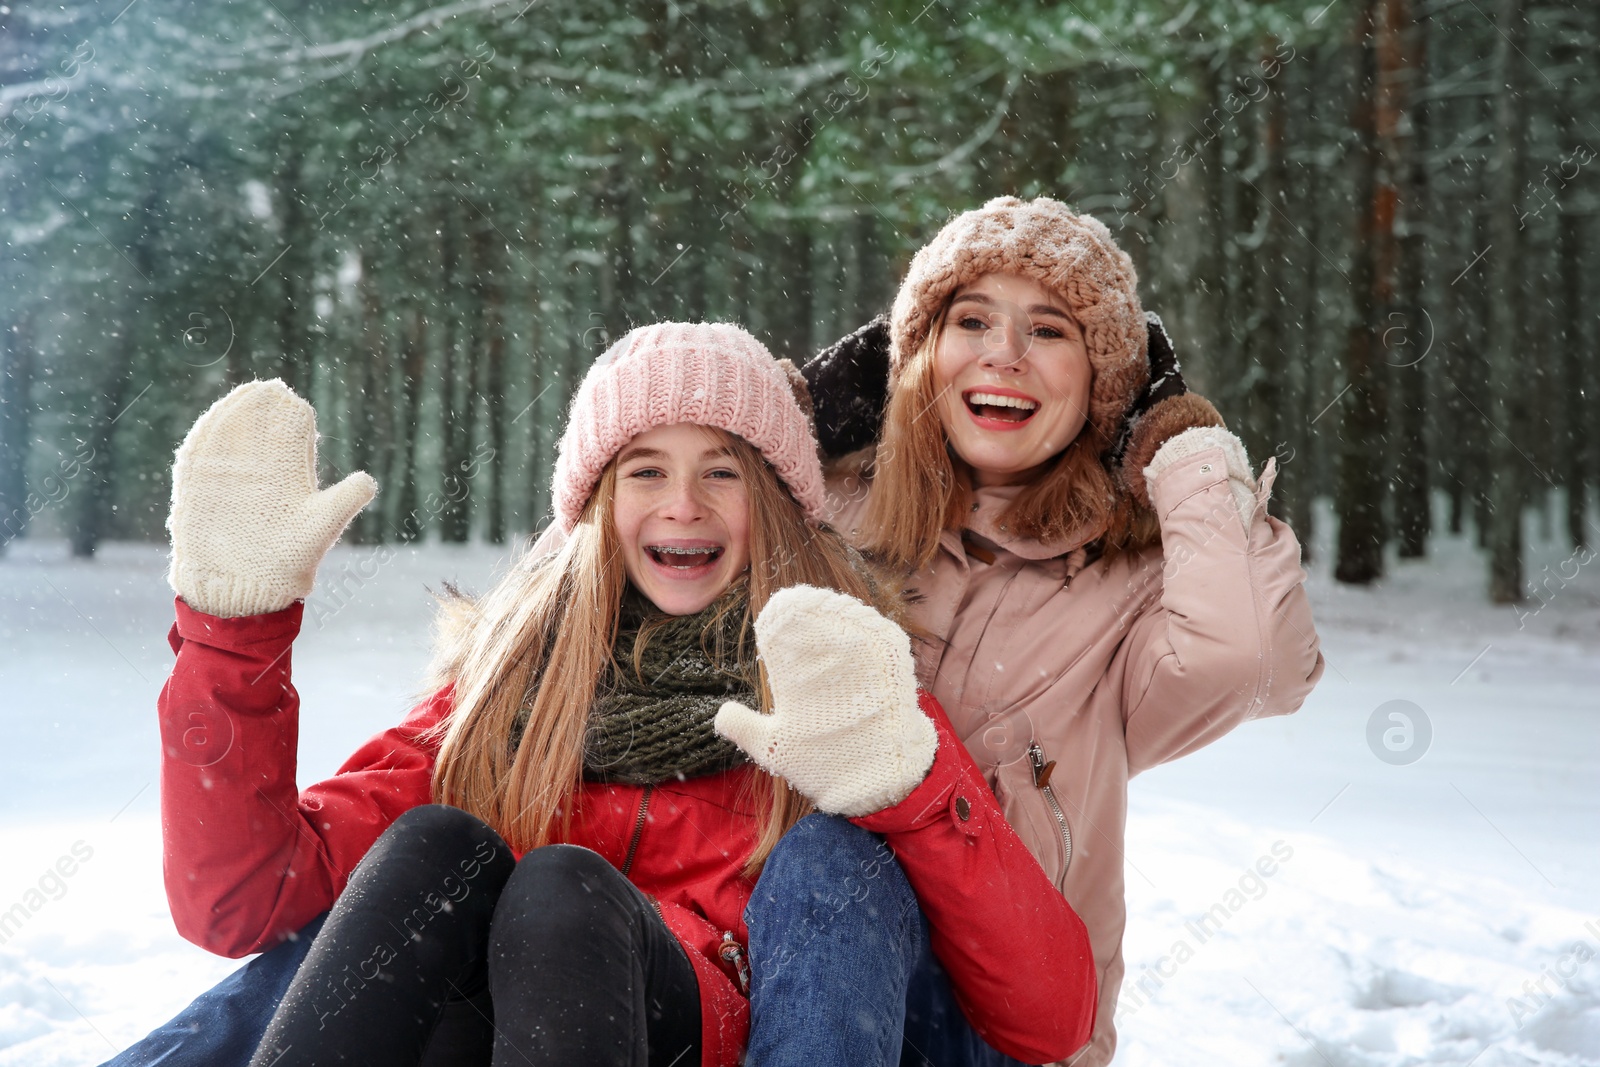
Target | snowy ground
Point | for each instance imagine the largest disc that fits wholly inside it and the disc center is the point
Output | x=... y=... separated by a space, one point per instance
x=1441 y=911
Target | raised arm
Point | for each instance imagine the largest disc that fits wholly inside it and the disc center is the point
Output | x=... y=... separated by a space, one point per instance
x=1228 y=635
x=245 y=861
x=247 y=858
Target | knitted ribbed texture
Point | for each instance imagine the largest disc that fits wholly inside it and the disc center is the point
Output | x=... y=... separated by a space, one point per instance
x=1191 y=443
x=654 y=724
x=709 y=374
x=248 y=524
x=1070 y=254
x=1154 y=427
x=846 y=729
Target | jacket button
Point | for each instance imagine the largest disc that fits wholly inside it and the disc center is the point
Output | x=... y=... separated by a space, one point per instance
x=963 y=809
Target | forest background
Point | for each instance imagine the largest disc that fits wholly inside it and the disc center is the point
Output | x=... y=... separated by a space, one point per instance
x=1370 y=226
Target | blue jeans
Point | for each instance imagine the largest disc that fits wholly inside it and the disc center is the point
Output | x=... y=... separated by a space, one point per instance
x=841 y=968
x=223 y=1026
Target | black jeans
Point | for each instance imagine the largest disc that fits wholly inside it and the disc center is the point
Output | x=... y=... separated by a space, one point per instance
x=442 y=950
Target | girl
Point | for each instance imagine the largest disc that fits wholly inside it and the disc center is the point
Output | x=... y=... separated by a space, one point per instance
x=1096 y=599
x=597 y=697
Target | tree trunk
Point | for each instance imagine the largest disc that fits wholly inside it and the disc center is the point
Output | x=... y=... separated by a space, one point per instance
x=410 y=524
x=620 y=297
x=697 y=232
x=1310 y=343
x=1190 y=197
x=1508 y=472
x=456 y=411
x=371 y=404
x=1573 y=444
x=1454 y=309
x=1413 y=510
x=561 y=340
x=489 y=310
x=1361 y=448
x=802 y=296
x=16 y=425
x=91 y=517
x=1476 y=385
x=1268 y=396
x=294 y=267
x=871 y=286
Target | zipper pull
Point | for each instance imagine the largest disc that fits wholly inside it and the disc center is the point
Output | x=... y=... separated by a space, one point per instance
x=732 y=953
x=1041 y=770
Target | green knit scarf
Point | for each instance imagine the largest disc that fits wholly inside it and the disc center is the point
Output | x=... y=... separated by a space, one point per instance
x=654 y=724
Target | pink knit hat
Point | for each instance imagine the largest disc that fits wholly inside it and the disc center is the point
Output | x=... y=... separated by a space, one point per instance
x=1073 y=255
x=709 y=374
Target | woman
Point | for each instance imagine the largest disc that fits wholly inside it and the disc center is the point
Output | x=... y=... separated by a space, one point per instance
x=597 y=697
x=1093 y=598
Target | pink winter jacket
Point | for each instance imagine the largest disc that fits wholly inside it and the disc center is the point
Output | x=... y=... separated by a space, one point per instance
x=1065 y=675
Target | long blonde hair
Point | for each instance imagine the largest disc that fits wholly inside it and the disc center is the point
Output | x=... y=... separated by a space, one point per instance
x=918 y=489
x=542 y=636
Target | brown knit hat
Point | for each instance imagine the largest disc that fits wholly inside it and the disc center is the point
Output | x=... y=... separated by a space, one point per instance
x=1073 y=255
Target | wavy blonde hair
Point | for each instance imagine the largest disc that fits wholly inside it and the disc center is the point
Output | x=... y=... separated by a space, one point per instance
x=543 y=635
x=918 y=488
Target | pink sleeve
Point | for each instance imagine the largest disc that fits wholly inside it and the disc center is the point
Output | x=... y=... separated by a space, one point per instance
x=1230 y=637
x=247 y=859
x=1017 y=954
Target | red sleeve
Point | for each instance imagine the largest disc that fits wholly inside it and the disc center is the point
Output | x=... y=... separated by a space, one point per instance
x=1017 y=954
x=247 y=859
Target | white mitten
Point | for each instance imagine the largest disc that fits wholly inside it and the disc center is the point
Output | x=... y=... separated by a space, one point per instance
x=846 y=729
x=1194 y=441
x=248 y=523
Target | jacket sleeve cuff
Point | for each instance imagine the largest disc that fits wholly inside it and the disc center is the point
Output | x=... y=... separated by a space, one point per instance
x=245 y=633
x=945 y=793
x=1180 y=479
x=1200 y=439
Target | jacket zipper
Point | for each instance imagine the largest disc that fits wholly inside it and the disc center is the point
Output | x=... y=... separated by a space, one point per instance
x=638 y=830
x=1041 y=779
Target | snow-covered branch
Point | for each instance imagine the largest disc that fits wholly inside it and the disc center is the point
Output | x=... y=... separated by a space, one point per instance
x=904 y=176
x=356 y=47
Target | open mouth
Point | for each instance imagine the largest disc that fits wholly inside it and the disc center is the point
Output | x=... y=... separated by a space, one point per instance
x=1000 y=408
x=684 y=557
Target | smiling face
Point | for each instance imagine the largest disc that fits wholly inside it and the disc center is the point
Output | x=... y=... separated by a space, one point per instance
x=682 y=513
x=1012 y=376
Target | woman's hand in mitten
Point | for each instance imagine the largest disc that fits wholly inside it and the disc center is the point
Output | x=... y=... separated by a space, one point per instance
x=846 y=729
x=1164 y=410
x=248 y=524
x=1236 y=463
x=849 y=386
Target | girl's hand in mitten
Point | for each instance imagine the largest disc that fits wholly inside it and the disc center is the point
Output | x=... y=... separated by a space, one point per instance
x=248 y=524
x=846 y=729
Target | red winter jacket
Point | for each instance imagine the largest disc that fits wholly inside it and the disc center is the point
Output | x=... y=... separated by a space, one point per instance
x=249 y=859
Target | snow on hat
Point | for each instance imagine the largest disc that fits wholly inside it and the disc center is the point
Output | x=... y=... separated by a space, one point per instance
x=1073 y=255
x=709 y=374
